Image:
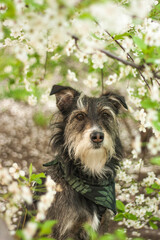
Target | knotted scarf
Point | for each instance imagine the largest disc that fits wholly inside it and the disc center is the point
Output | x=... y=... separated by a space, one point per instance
x=99 y=191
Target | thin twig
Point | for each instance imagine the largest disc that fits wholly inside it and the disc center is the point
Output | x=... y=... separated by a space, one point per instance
x=76 y=42
x=156 y=75
x=157 y=82
x=129 y=56
x=111 y=55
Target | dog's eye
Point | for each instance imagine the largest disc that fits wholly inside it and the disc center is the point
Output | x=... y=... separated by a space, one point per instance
x=80 y=117
x=105 y=114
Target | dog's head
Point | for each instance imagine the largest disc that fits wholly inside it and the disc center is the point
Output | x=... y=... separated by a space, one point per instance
x=89 y=127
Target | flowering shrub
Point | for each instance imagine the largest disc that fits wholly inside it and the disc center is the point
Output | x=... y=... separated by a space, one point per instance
x=93 y=46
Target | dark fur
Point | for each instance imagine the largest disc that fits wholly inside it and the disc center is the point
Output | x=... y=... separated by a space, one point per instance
x=70 y=208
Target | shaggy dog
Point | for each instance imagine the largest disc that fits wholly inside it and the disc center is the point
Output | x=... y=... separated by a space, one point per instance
x=87 y=151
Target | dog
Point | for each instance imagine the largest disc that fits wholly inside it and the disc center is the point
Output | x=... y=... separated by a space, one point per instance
x=88 y=152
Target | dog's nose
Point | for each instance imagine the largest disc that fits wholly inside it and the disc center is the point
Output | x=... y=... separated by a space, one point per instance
x=97 y=137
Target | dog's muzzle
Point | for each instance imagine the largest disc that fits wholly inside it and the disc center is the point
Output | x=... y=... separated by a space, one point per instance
x=97 y=138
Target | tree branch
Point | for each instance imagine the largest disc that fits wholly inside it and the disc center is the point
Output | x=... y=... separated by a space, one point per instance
x=129 y=56
x=111 y=55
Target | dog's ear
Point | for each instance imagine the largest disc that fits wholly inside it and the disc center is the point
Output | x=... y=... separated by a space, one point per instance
x=64 y=97
x=116 y=100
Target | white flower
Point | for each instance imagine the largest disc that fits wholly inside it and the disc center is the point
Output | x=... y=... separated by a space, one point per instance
x=116 y=22
x=151 y=116
x=121 y=175
x=140 y=115
x=130 y=91
x=141 y=212
x=15 y=171
x=133 y=189
x=2 y=207
x=142 y=127
x=127 y=43
x=154 y=145
x=71 y=76
x=138 y=165
x=40 y=216
x=155 y=92
x=14 y=188
x=149 y=180
x=50 y=184
x=127 y=163
x=99 y=59
x=147 y=72
x=111 y=79
x=70 y=47
x=91 y=82
x=142 y=91
x=134 y=153
x=32 y=100
x=82 y=57
x=152 y=32
x=26 y=194
x=140 y=199
x=27 y=85
x=16 y=32
x=141 y=8
x=3 y=7
x=55 y=57
x=135 y=101
x=8 y=69
x=44 y=98
x=30 y=230
x=5 y=177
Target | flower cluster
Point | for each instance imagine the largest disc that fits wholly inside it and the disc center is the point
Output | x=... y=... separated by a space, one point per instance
x=46 y=200
x=15 y=194
x=45 y=42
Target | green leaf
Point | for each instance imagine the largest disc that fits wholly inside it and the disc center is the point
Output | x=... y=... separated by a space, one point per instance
x=19 y=94
x=37 y=177
x=24 y=178
x=156 y=186
x=149 y=190
x=140 y=43
x=130 y=216
x=30 y=171
x=120 y=234
x=156 y=124
x=155 y=219
x=155 y=161
x=153 y=225
x=10 y=10
x=86 y=15
x=40 y=119
x=92 y=234
x=46 y=227
x=119 y=217
x=148 y=103
x=120 y=206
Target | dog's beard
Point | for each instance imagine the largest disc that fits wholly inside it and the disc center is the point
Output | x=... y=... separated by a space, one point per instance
x=93 y=159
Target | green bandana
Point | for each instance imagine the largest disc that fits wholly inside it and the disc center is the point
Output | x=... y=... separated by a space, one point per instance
x=101 y=192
